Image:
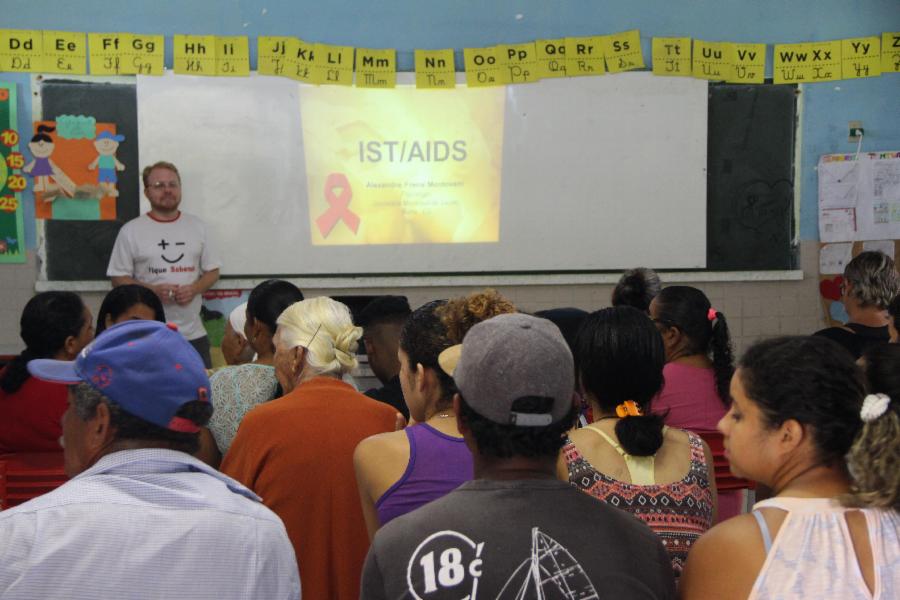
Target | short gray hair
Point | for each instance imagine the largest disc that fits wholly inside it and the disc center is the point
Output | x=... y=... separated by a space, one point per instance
x=874 y=277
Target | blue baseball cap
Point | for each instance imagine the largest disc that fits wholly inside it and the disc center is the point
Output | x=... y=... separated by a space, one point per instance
x=145 y=367
x=105 y=135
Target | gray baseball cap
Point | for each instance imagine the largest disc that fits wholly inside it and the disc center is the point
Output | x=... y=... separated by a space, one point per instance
x=509 y=357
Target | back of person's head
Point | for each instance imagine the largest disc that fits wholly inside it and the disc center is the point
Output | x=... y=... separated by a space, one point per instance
x=381 y=320
x=459 y=315
x=48 y=320
x=235 y=348
x=874 y=278
x=874 y=458
x=516 y=379
x=422 y=338
x=325 y=328
x=384 y=310
x=705 y=329
x=122 y=299
x=269 y=299
x=811 y=380
x=619 y=356
x=150 y=379
x=568 y=320
x=437 y=325
x=637 y=288
x=894 y=312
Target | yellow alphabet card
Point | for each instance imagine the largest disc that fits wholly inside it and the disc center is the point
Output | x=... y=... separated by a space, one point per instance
x=194 y=54
x=623 y=51
x=807 y=62
x=520 y=62
x=435 y=69
x=749 y=63
x=584 y=56
x=483 y=68
x=861 y=57
x=551 y=58
x=21 y=50
x=126 y=54
x=301 y=61
x=333 y=65
x=65 y=52
x=272 y=54
x=712 y=60
x=376 y=68
x=890 y=52
x=672 y=56
x=232 y=56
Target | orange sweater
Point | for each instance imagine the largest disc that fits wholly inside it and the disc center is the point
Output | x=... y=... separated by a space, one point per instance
x=296 y=452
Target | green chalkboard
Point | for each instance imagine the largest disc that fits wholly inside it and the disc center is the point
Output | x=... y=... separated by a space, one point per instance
x=79 y=250
x=750 y=177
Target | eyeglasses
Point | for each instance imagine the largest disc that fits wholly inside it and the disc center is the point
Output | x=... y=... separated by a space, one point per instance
x=160 y=185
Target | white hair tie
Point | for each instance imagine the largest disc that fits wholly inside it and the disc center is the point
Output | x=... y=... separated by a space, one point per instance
x=874 y=406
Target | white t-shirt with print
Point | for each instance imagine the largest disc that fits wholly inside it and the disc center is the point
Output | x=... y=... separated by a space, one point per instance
x=177 y=251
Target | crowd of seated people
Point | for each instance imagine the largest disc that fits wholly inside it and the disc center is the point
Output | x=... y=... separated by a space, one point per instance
x=276 y=474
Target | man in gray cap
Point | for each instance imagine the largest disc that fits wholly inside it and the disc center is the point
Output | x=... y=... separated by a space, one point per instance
x=515 y=531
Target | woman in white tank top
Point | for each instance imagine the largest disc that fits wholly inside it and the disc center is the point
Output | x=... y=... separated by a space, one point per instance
x=798 y=410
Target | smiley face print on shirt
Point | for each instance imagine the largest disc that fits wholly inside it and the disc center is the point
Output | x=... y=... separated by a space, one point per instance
x=177 y=249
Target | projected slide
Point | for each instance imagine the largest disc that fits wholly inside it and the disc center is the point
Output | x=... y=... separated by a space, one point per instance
x=393 y=167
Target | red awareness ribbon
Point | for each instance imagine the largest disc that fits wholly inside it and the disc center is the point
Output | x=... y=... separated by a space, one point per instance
x=338 y=206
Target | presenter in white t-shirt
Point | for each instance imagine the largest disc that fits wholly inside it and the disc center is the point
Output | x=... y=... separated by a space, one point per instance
x=169 y=252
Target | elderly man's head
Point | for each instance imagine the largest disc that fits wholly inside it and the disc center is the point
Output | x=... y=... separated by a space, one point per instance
x=138 y=385
x=871 y=279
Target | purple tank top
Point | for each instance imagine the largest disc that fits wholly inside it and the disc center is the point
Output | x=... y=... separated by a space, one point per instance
x=438 y=464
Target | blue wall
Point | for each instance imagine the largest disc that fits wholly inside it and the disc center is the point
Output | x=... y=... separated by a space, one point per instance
x=410 y=24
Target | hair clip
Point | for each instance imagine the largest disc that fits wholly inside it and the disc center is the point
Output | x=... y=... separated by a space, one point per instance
x=629 y=408
x=874 y=406
x=711 y=314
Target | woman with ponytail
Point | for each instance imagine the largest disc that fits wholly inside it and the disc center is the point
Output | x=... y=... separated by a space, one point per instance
x=54 y=325
x=699 y=361
x=627 y=456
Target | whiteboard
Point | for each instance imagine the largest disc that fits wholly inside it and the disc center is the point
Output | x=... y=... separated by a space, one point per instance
x=592 y=173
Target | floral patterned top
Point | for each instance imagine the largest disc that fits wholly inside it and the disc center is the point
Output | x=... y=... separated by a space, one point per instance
x=236 y=390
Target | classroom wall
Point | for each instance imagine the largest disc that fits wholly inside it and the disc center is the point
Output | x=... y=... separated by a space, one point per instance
x=409 y=24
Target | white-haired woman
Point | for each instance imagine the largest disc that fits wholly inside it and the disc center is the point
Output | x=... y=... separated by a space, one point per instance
x=297 y=451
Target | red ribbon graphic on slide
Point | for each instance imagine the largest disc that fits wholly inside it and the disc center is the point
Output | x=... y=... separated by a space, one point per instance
x=338 y=206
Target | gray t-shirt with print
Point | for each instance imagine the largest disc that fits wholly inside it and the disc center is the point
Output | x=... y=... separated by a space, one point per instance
x=502 y=540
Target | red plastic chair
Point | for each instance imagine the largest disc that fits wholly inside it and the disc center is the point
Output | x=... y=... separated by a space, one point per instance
x=724 y=479
x=27 y=475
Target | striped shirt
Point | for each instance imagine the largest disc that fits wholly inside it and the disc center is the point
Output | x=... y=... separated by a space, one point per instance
x=146 y=523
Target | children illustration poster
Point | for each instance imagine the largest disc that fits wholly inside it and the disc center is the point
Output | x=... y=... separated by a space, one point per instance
x=74 y=168
x=12 y=228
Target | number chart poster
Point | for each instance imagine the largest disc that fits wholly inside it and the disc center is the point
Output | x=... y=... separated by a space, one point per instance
x=12 y=227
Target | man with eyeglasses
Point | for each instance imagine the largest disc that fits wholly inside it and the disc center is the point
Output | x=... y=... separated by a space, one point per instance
x=169 y=252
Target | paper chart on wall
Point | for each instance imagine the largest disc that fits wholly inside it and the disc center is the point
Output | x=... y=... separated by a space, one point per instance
x=834 y=257
x=859 y=197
